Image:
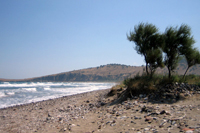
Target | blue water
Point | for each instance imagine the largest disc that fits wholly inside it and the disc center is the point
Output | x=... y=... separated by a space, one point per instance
x=16 y=93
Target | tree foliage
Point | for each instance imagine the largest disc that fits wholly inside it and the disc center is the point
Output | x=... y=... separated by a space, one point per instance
x=174 y=42
x=191 y=54
x=171 y=49
x=148 y=42
x=178 y=41
x=155 y=59
x=192 y=57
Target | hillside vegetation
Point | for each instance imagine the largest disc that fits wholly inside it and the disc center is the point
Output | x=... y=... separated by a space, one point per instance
x=110 y=72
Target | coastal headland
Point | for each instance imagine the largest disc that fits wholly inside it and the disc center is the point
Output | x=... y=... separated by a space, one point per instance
x=105 y=73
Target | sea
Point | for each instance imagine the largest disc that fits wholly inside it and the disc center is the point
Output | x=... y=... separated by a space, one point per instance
x=17 y=93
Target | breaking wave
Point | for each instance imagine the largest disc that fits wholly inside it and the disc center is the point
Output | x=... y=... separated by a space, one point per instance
x=16 y=93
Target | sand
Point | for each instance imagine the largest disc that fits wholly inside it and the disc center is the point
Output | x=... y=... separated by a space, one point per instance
x=84 y=113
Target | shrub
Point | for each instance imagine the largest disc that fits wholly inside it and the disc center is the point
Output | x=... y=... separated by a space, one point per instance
x=147 y=84
x=144 y=84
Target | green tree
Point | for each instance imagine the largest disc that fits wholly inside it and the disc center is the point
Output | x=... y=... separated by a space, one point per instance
x=192 y=57
x=178 y=41
x=171 y=49
x=148 y=42
x=191 y=54
x=155 y=60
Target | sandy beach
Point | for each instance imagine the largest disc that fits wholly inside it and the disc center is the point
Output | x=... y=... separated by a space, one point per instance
x=87 y=113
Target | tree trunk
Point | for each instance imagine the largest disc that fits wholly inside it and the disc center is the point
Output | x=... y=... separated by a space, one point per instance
x=169 y=74
x=151 y=72
x=146 y=65
x=186 y=72
x=147 y=69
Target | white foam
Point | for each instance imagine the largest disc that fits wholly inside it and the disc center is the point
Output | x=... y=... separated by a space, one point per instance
x=27 y=92
x=29 y=89
x=10 y=93
x=42 y=98
x=44 y=84
x=32 y=84
x=47 y=88
x=2 y=94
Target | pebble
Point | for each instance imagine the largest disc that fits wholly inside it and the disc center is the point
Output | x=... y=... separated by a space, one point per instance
x=135 y=117
x=189 y=131
x=148 y=118
x=146 y=129
x=112 y=124
x=133 y=122
x=162 y=112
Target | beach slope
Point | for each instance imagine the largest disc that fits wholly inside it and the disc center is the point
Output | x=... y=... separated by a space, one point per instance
x=87 y=113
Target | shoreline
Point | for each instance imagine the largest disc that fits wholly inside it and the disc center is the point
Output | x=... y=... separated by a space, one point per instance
x=36 y=116
x=27 y=104
x=53 y=99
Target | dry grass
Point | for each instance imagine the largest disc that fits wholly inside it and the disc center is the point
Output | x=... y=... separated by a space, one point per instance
x=116 y=90
x=143 y=84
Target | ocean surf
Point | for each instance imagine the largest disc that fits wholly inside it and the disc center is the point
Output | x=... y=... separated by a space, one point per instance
x=16 y=93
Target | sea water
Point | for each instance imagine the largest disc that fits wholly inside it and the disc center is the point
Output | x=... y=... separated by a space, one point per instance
x=16 y=93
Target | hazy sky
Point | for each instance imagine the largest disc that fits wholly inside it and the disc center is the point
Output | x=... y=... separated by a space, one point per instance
x=42 y=37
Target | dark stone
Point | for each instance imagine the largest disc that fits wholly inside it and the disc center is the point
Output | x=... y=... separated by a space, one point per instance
x=60 y=119
x=102 y=103
x=162 y=112
x=91 y=105
x=144 y=109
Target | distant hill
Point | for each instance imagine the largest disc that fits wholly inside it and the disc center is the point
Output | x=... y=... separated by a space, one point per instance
x=180 y=70
x=110 y=72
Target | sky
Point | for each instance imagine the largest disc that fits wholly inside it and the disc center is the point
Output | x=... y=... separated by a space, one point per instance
x=43 y=37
